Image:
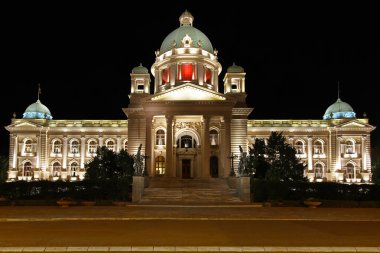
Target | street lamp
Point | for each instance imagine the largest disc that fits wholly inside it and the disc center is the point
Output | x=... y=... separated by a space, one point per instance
x=145 y=172
x=232 y=157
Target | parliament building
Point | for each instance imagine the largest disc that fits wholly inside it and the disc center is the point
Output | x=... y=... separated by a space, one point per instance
x=187 y=127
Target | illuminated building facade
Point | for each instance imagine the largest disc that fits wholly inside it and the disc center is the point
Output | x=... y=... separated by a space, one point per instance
x=187 y=127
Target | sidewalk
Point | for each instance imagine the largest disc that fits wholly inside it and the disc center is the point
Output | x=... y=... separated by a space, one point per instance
x=156 y=212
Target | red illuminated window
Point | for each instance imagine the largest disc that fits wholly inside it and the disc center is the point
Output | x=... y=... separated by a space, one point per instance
x=165 y=76
x=207 y=75
x=187 y=72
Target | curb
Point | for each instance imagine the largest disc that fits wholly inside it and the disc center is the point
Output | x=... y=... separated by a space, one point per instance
x=189 y=249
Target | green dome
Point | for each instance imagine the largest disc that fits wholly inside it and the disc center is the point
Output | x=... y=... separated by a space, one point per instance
x=198 y=38
x=37 y=111
x=339 y=110
x=140 y=70
x=235 y=69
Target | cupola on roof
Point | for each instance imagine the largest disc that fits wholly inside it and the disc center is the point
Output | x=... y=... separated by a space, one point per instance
x=339 y=110
x=235 y=69
x=37 y=110
x=175 y=38
x=140 y=70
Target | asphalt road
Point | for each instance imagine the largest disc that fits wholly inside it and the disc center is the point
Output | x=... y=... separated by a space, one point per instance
x=190 y=233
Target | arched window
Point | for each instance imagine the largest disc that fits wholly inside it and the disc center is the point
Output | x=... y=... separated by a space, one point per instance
x=350 y=170
x=318 y=171
x=57 y=147
x=74 y=147
x=126 y=145
x=27 y=169
x=187 y=141
x=74 y=167
x=214 y=137
x=110 y=145
x=350 y=147
x=56 y=169
x=160 y=137
x=160 y=165
x=318 y=147
x=28 y=146
x=300 y=148
x=92 y=146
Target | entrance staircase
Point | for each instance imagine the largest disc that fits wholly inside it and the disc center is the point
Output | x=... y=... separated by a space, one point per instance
x=166 y=191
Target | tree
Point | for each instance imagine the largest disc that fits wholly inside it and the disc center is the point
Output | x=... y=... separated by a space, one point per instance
x=257 y=161
x=277 y=160
x=108 y=165
x=3 y=169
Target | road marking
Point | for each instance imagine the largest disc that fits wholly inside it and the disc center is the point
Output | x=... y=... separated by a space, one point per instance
x=189 y=249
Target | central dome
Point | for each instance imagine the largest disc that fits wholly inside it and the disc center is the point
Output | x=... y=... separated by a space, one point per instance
x=176 y=37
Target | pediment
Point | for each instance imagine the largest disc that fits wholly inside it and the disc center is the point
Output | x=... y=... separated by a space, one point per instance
x=25 y=124
x=353 y=124
x=188 y=92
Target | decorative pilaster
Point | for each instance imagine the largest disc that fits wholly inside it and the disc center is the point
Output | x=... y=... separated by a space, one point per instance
x=101 y=141
x=148 y=150
x=309 y=153
x=15 y=150
x=206 y=147
x=227 y=146
x=363 y=153
x=338 y=153
x=64 y=162
x=118 y=144
x=82 y=151
x=170 y=170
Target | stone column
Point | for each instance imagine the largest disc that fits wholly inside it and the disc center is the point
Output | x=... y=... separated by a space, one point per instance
x=310 y=153
x=173 y=76
x=83 y=151
x=148 y=149
x=170 y=169
x=101 y=141
x=227 y=145
x=15 y=150
x=64 y=162
x=206 y=147
x=118 y=143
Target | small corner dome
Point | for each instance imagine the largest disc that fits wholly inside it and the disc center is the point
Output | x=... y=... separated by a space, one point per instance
x=339 y=110
x=140 y=70
x=235 y=69
x=175 y=38
x=37 y=110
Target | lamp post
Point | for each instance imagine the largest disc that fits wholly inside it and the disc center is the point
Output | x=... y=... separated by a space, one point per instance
x=232 y=157
x=145 y=172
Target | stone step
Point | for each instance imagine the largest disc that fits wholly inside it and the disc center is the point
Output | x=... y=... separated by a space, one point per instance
x=189 y=191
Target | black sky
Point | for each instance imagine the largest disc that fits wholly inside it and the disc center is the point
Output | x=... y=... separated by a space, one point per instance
x=294 y=55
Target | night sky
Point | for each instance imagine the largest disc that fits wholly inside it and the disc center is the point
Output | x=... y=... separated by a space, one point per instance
x=293 y=55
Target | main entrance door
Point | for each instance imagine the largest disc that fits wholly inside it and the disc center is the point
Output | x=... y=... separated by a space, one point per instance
x=214 y=170
x=186 y=165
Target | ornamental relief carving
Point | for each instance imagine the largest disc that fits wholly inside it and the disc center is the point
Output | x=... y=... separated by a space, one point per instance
x=197 y=126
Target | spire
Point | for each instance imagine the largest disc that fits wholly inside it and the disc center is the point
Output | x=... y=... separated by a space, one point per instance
x=338 y=90
x=39 y=92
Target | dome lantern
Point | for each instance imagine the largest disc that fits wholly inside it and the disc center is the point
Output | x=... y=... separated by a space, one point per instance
x=186 y=19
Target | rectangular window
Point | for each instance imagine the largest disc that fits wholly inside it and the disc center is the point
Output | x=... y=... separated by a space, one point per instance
x=165 y=76
x=208 y=75
x=187 y=72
